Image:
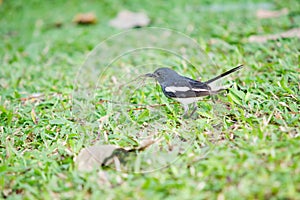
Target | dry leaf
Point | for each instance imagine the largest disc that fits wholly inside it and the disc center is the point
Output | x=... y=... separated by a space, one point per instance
x=264 y=38
x=145 y=144
x=37 y=97
x=264 y=14
x=127 y=19
x=33 y=97
x=95 y=156
x=103 y=179
x=6 y=191
x=85 y=18
x=103 y=155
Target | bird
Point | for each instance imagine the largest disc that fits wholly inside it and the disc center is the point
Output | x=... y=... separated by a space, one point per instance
x=186 y=90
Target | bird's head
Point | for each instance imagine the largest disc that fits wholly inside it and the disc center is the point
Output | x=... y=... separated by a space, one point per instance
x=162 y=74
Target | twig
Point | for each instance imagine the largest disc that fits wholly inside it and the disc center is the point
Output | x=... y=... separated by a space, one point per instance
x=139 y=106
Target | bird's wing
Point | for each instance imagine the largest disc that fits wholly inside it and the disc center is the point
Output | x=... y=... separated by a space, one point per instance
x=186 y=88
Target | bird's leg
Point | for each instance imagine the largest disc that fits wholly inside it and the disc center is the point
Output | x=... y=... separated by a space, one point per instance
x=194 y=109
x=186 y=109
x=213 y=98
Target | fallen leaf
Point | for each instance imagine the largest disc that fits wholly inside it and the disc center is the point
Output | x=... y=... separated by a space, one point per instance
x=264 y=38
x=33 y=97
x=126 y=19
x=98 y=155
x=85 y=18
x=264 y=14
x=103 y=179
x=6 y=191
x=104 y=155
x=36 y=97
x=103 y=119
x=145 y=144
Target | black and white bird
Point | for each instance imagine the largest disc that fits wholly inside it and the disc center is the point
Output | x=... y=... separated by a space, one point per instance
x=187 y=90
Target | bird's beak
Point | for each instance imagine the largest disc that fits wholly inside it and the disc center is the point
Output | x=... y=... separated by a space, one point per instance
x=151 y=75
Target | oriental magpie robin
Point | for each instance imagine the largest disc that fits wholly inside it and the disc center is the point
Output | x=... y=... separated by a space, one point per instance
x=186 y=90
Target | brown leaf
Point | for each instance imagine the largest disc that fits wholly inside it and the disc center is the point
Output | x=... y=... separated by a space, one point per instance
x=104 y=155
x=103 y=179
x=127 y=19
x=95 y=156
x=37 y=97
x=264 y=14
x=145 y=144
x=6 y=191
x=85 y=18
x=33 y=97
x=264 y=38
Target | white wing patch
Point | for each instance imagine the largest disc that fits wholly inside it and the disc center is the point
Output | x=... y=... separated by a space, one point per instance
x=176 y=89
x=199 y=90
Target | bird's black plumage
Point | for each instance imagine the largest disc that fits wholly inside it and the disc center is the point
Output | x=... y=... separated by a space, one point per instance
x=184 y=89
x=193 y=89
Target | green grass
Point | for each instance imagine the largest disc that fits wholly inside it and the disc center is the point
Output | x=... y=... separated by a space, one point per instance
x=254 y=154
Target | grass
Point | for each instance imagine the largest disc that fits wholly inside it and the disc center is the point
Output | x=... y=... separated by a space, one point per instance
x=255 y=154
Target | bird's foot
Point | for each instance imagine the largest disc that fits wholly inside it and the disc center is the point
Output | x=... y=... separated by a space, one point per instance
x=186 y=108
x=194 y=109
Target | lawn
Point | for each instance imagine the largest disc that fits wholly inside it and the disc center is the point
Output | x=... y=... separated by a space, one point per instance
x=57 y=98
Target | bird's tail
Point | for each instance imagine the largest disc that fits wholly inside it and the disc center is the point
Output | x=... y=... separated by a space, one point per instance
x=214 y=83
